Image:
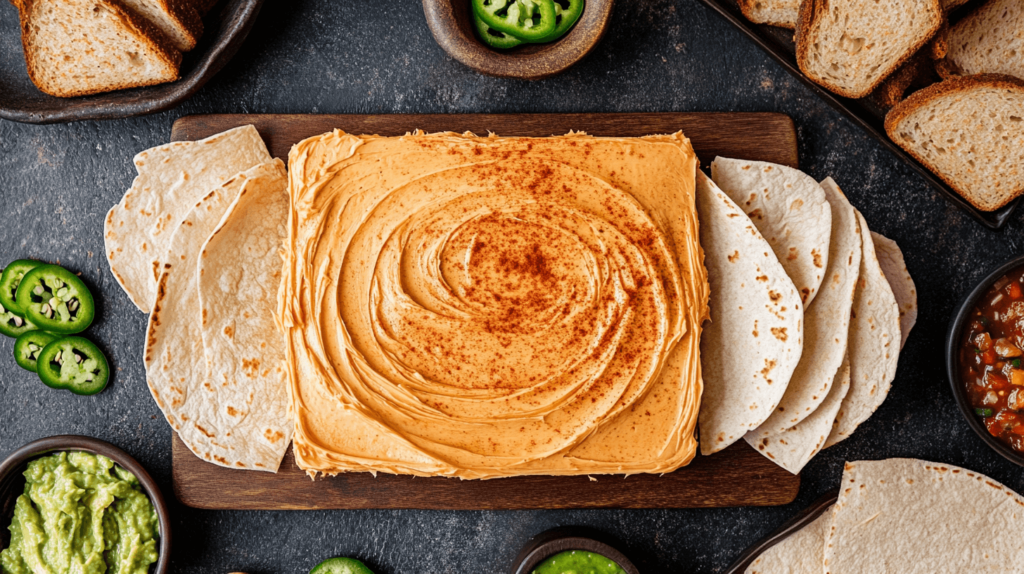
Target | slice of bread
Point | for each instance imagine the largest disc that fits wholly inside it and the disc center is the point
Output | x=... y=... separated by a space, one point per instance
x=917 y=72
x=989 y=40
x=850 y=46
x=179 y=20
x=948 y=5
x=774 y=12
x=970 y=132
x=81 y=47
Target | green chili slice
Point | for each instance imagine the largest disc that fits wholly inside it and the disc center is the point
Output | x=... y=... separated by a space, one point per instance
x=56 y=300
x=74 y=364
x=12 y=324
x=527 y=20
x=28 y=347
x=9 y=281
x=492 y=37
x=341 y=566
x=567 y=13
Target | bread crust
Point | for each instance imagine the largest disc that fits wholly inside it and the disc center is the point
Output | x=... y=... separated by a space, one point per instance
x=142 y=28
x=747 y=8
x=811 y=11
x=926 y=96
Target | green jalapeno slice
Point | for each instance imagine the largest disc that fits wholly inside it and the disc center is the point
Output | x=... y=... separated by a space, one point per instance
x=340 y=566
x=567 y=13
x=29 y=345
x=56 y=300
x=9 y=281
x=494 y=38
x=527 y=20
x=74 y=364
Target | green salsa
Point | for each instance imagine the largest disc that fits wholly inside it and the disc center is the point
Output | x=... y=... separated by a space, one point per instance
x=81 y=513
x=578 y=562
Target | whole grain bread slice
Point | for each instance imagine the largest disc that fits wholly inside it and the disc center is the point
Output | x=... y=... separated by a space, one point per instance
x=773 y=12
x=970 y=132
x=179 y=20
x=989 y=40
x=81 y=47
x=851 y=46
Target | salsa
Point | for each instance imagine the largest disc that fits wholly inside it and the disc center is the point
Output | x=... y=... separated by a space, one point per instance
x=578 y=562
x=991 y=359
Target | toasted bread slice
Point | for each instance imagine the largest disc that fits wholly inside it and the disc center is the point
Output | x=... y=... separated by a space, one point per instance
x=774 y=12
x=970 y=132
x=850 y=46
x=989 y=40
x=81 y=47
x=179 y=20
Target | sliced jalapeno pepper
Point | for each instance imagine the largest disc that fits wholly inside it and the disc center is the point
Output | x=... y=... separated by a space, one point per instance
x=13 y=324
x=527 y=20
x=75 y=364
x=567 y=12
x=28 y=347
x=494 y=38
x=56 y=300
x=10 y=280
x=340 y=566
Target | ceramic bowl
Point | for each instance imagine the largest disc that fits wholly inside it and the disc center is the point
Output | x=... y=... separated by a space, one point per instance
x=551 y=542
x=12 y=484
x=953 y=339
x=226 y=27
x=452 y=25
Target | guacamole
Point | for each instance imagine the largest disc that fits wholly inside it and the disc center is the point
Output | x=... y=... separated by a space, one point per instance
x=578 y=562
x=81 y=513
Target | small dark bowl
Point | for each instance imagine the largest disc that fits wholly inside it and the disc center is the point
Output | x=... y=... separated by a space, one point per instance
x=953 y=340
x=12 y=484
x=226 y=27
x=551 y=542
x=451 y=22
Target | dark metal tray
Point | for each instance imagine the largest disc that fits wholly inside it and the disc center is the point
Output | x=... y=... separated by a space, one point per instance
x=778 y=42
x=790 y=527
x=226 y=27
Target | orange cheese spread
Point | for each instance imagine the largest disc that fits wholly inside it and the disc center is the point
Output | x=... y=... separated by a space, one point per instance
x=485 y=307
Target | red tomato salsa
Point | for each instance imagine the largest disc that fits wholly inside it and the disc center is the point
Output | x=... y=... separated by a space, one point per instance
x=991 y=359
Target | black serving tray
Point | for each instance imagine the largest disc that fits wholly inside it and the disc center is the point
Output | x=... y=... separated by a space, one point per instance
x=226 y=27
x=791 y=526
x=778 y=42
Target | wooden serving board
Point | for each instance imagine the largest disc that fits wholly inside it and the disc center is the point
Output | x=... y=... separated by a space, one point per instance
x=737 y=476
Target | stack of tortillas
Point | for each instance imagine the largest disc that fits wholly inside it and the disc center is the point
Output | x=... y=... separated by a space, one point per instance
x=909 y=516
x=196 y=243
x=808 y=312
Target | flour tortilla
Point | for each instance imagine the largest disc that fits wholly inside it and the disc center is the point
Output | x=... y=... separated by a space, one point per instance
x=755 y=311
x=239 y=275
x=172 y=178
x=789 y=209
x=800 y=553
x=912 y=516
x=197 y=407
x=826 y=323
x=890 y=258
x=795 y=447
x=874 y=344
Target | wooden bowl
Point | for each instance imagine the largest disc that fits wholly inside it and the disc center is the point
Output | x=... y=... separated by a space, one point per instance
x=226 y=27
x=451 y=22
x=551 y=542
x=12 y=484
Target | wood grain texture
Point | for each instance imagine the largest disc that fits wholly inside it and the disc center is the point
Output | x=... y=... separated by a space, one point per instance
x=737 y=476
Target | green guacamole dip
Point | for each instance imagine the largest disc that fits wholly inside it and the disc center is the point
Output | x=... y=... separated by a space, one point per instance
x=578 y=562
x=81 y=513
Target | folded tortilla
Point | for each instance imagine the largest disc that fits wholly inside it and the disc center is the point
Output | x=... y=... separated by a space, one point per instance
x=789 y=209
x=874 y=344
x=206 y=412
x=913 y=516
x=826 y=323
x=172 y=178
x=755 y=310
x=890 y=258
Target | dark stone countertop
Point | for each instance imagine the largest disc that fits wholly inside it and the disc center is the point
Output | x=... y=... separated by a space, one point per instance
x=357 y=56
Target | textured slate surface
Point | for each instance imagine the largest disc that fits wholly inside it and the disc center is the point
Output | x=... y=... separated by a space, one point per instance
x=358 y=56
